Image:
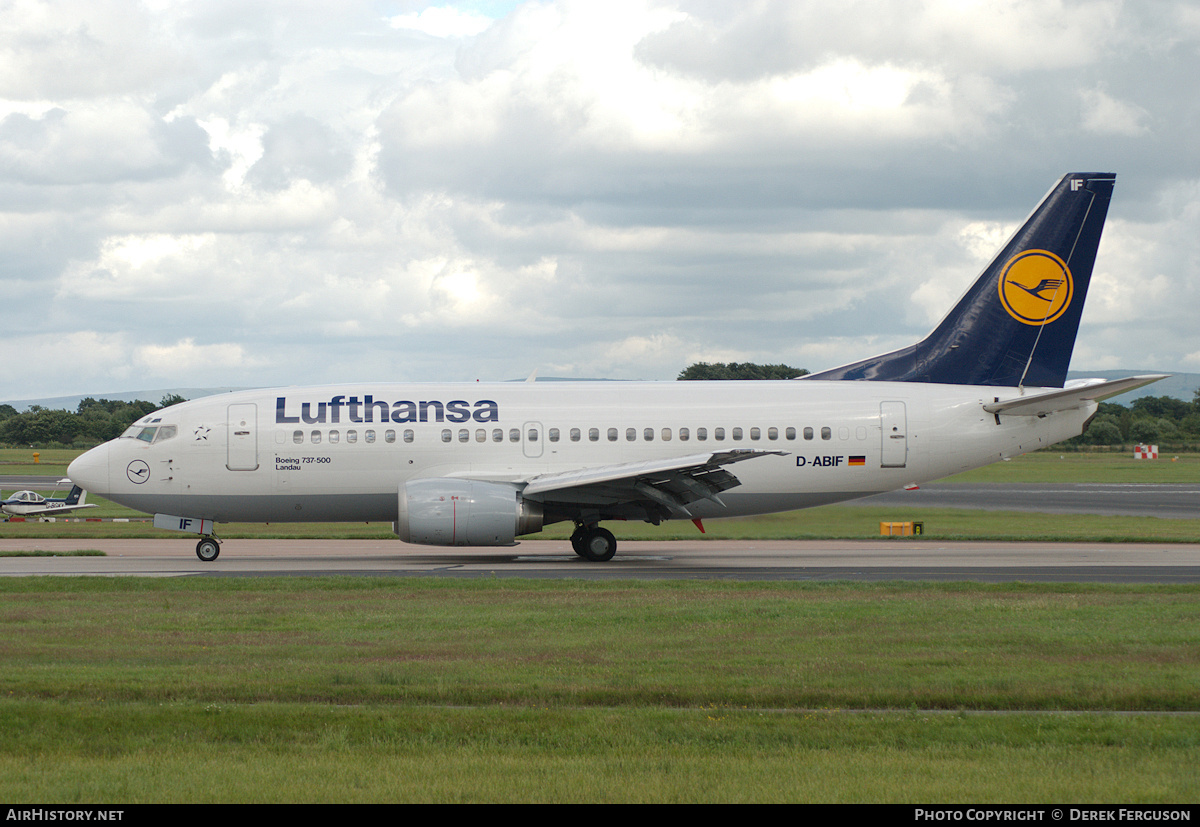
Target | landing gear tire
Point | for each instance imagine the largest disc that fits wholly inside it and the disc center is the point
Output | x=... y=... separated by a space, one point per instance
x=208 y=549
x=597 y=545
x=577 y=539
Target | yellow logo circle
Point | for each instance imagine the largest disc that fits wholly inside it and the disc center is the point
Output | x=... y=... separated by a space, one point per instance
x=1036 y=287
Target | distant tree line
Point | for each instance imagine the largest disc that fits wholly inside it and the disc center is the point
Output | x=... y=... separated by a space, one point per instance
x=1149 y=420
x=738 y=370
x=92 y=422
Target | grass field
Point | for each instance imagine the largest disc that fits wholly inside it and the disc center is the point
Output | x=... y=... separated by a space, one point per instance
x=388 y=689
x=381 y=689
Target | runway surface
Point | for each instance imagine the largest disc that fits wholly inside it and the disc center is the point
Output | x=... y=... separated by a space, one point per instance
x=903 y=559
x=37 y=482
x=895 y=559
x=1173 y=501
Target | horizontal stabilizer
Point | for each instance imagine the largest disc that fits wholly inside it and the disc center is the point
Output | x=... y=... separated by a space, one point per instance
x=1074 y=396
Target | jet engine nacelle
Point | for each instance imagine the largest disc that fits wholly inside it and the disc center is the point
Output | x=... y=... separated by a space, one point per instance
x=448 y=512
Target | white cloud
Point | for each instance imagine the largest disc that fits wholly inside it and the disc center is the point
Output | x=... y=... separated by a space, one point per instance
x=186 y=358
x=442 y=21
x=274 y=194
x=1107 y=115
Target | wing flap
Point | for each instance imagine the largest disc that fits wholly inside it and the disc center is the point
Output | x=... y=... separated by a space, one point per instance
x=663 y=487
x=1069 y=398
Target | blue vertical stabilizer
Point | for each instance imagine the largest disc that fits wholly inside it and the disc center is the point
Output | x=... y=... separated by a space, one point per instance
x=1016 y=325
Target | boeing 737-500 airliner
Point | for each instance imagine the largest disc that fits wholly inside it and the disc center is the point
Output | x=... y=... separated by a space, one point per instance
x=482 y=464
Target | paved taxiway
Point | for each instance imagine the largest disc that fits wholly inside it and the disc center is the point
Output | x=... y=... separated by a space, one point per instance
x=1172 y=501
x=896 y=559
x=908 y=559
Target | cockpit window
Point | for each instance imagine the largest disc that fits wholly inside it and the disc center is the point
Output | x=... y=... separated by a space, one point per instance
x=151 y=433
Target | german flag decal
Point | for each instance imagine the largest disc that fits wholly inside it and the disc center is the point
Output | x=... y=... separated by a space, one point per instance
x=858 y=461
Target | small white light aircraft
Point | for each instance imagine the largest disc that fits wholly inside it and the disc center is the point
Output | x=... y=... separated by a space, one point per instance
x=481 y=464
x=33 y=504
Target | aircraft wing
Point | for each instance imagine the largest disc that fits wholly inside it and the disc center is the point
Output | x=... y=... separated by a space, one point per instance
x=660 y=487
x=1076 y=396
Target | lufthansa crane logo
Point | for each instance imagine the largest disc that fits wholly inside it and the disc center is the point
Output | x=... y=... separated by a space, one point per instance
x=137 y=471
x=1036 y=287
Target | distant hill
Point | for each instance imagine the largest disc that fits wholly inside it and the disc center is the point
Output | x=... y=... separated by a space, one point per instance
x=1180 y=385
x=71 y=403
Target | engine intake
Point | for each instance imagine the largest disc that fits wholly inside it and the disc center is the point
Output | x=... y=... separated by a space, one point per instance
x=447 y=512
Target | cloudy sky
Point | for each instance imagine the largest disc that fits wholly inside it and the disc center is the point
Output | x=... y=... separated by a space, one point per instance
x=222 y=193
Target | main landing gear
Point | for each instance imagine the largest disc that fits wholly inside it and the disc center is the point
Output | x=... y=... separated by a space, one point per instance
x=591 y=542
x=208 y=548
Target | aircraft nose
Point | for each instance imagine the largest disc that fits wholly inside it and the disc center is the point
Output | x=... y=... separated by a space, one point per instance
x=89 y=470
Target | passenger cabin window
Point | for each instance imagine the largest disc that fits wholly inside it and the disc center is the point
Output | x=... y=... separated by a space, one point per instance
x=648 y=434
x=684 y=434
x=593 y=434
x=552 y=434
x=333 y=437
x=612 y=434
x=408 y=435
x=298 y=437
x=630 y=434
x=315 y=437
x=369 y=435
x=575 y=434
x=389 y=436
x=826 y=433
x=808 y=433
x=718 y=433
x=702 y=434
x=790 y=433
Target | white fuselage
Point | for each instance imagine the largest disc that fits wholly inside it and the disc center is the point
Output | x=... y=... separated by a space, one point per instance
x=341 y=453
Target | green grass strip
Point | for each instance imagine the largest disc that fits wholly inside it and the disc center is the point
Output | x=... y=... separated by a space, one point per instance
x=578 y=643
x=281 y=752
x=346 y=689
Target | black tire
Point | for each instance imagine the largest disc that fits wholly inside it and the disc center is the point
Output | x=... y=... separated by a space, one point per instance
x=208 y=549
x=599 y=545
x=577 y=539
